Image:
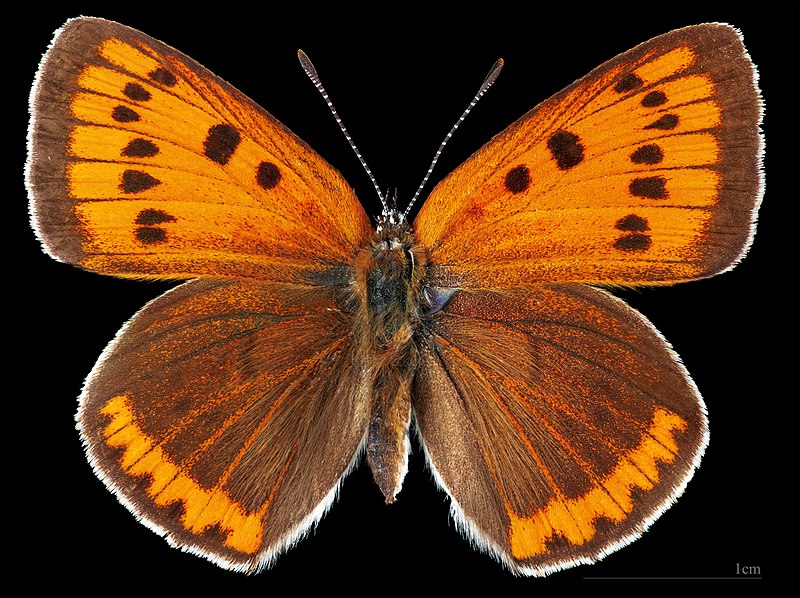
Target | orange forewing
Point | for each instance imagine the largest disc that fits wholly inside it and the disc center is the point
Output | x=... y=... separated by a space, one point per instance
x=558 y=420
x=208 y=414
x=646 y=171
x=158 y=168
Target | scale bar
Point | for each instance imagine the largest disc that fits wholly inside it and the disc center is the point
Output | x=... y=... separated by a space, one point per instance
x=737 y=577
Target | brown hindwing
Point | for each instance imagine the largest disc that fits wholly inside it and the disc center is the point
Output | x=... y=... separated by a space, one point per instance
x=557 y=419
x=225 y=414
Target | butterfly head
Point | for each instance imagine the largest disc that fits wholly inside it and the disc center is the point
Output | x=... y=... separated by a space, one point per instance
x=391 y=219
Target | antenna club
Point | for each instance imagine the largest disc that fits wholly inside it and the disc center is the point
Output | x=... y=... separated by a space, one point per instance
x=487 y=83
x=494 y=72
x=307 y=65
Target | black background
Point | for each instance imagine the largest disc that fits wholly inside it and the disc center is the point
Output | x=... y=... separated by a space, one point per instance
x=400 y=74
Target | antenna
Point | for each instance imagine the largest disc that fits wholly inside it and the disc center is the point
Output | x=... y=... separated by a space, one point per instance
x=308 y=67
x=487 y=83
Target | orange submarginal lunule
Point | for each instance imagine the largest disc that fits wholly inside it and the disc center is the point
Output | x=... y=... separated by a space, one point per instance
x=203 y=507
x=575 y=518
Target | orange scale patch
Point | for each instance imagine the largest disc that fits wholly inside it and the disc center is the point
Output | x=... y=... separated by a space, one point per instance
x=575 y=519
x=202 y=507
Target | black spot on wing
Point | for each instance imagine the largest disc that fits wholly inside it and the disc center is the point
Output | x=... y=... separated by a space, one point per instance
x=665 y=123
x=653 y=99
x=123 y=114
x=633 y=242
x=136 y=181
x=518 y=179
x=652 y=187
x=150 y=235
x=268 y=175
x=140 y=148
x=152 y=216
x=628 y=83
x=632 y=223
x=163 y=77
x=566 y=148
x=136 y=92
x=221 y=142
x=648 y=154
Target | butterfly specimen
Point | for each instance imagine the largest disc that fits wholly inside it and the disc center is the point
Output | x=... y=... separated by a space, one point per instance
x=226 y=412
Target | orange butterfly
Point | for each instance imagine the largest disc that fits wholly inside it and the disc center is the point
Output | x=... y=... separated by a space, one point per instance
x=226 y=413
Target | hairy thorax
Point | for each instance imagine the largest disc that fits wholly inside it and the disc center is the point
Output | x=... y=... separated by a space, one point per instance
x=388 y=285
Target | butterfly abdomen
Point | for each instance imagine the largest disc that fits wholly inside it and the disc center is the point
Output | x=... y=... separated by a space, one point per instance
x=388 y=281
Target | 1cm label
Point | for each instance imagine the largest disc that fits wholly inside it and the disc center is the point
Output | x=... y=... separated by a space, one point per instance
x=747 y=569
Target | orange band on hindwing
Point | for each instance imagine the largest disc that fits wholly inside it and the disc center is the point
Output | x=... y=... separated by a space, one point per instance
x=202 y=507
x=575 y=518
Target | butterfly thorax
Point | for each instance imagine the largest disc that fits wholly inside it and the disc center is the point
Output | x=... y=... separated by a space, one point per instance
x=388 y=278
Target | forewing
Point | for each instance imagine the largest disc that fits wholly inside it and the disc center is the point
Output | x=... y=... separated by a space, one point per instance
x=646 y=171
x=225 y=414
x=143 y=163
x=559 y=422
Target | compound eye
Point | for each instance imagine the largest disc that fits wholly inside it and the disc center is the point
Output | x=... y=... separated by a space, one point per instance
x=435 y=298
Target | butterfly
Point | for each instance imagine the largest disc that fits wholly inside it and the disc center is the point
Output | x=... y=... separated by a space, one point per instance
x=226 y=413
